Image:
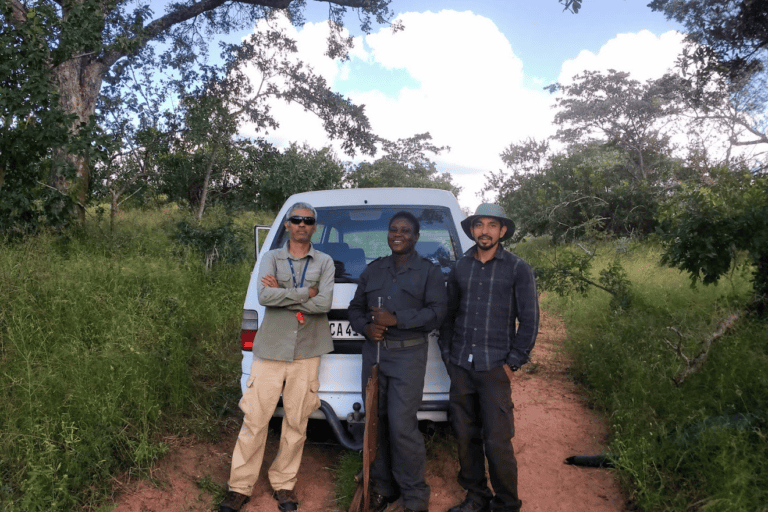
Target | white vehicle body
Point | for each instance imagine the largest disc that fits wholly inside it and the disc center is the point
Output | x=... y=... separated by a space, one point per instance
x=353 y=222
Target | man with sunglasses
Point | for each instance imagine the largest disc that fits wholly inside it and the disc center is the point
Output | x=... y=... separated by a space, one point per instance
x=296 y=287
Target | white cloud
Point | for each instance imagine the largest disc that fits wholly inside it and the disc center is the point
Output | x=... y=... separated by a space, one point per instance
x=644 y=55
x=469 y=91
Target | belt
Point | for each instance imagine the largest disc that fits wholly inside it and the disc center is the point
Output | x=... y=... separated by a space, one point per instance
x=411 y=342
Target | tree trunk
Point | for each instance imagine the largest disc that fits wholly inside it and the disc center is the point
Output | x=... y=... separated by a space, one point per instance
x=113 y=210
x=78 y=81
x=760 y=284
x=208 y=172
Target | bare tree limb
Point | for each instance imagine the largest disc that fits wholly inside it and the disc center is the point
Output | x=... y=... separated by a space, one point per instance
x=18 y=11
x=692 y=366
x=182 y=13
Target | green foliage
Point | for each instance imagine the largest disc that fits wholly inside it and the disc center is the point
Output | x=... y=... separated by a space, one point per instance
x=730 y=37
x=588 y=190
x=106 y=341
x=566 y=270
x=31 y=124
x=405 y=164
x=699 y=446
x=387 y=173
x=217 y=492
x=218 y=244
x=197 y=155
x=706 y=226
x=298 y=169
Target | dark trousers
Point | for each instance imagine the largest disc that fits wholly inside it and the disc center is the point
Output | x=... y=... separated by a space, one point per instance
x=481 y=414
x=402 y=458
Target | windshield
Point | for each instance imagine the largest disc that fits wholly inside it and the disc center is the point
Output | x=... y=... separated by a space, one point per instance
x=355 y=236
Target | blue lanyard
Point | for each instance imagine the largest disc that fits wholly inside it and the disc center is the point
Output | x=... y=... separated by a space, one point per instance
x=293 y=274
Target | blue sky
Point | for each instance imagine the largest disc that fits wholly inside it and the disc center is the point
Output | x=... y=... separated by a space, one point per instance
x=472 y=72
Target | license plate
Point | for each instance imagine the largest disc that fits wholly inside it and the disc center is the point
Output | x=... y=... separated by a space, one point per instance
x=342 y=330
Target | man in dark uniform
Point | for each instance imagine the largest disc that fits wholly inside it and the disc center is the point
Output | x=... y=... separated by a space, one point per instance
x=489 y=331
x=399 y=300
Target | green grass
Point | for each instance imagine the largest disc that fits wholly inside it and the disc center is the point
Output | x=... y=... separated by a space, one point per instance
x=698 y=446
x=107 y=340
x=111 y=339
x=350 y=464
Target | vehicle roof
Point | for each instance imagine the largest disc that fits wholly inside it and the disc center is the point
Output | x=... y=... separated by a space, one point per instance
x=397 y=196
x=371 y=196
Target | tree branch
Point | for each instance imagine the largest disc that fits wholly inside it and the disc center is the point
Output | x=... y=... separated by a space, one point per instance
x=187 y=12
x=18 y=11
x=694 y=365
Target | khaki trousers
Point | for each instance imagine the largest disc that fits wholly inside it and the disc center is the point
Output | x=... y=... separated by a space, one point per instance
x=298 y=382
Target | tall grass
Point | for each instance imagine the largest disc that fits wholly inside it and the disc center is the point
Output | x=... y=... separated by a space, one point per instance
x=698 y=446
x=107 y=340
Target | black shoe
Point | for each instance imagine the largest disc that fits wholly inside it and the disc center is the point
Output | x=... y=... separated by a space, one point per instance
x=286 y=500
x=378 y=502
x=233 y=502
x=470 y=505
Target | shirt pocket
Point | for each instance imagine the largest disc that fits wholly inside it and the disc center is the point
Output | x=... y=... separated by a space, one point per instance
x=375 y=283
x=413 y=291
x=313 y=276
x=284 y=278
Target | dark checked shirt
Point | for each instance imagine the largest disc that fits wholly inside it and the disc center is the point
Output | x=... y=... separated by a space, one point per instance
x=493 y=312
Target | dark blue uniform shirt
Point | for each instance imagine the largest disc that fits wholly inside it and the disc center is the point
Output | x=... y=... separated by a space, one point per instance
x=415 y=294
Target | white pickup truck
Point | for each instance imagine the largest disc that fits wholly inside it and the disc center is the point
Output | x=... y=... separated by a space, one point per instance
x=352 y=228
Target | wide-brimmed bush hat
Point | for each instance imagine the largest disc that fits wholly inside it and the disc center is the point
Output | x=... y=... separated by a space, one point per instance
x=489 y=210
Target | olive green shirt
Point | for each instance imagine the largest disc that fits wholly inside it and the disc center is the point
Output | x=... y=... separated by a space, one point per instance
x=281 y=337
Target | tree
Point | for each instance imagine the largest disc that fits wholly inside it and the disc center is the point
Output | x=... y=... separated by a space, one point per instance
x=298 y=169
x=32 y=124
x=123 y=170
x=201 y=131
x=404 y=164
x=707 y=225
x=92 y=37
x=636 y=117
x=582 y=192
x=730 y=37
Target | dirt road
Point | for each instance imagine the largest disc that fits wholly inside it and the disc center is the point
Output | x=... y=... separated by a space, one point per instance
x=552 y=422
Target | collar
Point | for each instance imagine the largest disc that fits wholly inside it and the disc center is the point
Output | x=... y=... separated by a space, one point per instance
x=414 y=262
x=284 y=253
x=501 y=254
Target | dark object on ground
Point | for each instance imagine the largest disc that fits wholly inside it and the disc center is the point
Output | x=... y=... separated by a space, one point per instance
x=590 y=461
x=470 y=505
x=286 y=500
x=233 y=501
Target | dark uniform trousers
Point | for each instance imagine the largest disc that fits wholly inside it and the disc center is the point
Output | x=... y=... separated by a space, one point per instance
x=481 y=413
x=401 y=454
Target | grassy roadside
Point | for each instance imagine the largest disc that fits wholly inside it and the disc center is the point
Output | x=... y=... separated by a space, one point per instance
x=109 y=340
x=106 y=340
x=697 y=446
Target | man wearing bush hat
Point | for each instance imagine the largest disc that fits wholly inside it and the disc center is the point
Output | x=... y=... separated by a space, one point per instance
x=490 y=329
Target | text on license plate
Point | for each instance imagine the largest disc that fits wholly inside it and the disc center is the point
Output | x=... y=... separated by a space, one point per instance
x=341 y=329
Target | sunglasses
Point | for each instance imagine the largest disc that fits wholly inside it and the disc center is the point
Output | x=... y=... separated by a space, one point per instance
x=309 y=221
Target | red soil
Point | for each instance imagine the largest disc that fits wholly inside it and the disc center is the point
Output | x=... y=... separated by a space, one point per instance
x=552 y=422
